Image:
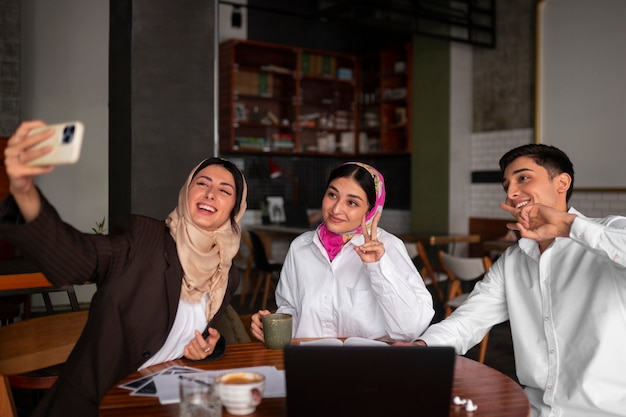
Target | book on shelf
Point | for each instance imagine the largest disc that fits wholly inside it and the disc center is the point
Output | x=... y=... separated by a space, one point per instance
x=305 y=63
x=344 y=73
x=276 y=69
x=350 y=341
x=266 y=85
x=309 y=116
x=283 y=145
x=282 y=141
x=329 y=66
x=318 y=65
x=254 y=83
x=251 y=143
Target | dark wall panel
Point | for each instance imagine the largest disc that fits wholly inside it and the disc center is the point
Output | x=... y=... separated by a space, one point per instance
x=162 y=100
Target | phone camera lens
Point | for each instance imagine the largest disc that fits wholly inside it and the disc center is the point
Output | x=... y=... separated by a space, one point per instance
x=68 y=134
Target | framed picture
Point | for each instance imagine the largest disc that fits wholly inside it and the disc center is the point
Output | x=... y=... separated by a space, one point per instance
x=240 y=112
x=276 y=209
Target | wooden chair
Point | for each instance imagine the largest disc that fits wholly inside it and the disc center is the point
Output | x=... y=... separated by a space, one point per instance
x=427 y=272
x=248 y=267
x=246 y=320
x=460 y=270
x=266 y=269
x=10 y=308
x=232 y=327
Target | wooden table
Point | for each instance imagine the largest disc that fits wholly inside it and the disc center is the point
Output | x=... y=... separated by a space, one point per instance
x=22 y=277
x=34 y=344
x=495 y=394
x=270 y=233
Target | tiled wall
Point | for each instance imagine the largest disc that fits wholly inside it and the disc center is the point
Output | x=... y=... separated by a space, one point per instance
x=599 y=204
x=488 y=147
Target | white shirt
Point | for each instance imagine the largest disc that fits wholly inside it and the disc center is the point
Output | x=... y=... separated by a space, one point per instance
x=567 y=309
x=189 y=317
x=346 y=297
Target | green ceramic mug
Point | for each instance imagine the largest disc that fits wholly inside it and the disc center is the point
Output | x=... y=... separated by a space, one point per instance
x=277 y=330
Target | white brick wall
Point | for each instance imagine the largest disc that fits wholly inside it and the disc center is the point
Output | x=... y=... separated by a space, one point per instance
x=599 y=204
x=488 y=147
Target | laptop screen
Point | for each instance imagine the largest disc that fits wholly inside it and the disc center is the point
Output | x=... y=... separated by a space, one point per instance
x=364 y=381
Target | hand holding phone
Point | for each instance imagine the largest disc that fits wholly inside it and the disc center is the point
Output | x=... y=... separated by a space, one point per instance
x=66 y=143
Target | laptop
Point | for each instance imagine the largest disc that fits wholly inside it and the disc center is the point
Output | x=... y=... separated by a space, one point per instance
x=364 y=381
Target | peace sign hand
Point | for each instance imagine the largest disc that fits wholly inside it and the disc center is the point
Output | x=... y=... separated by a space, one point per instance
x=372 y=250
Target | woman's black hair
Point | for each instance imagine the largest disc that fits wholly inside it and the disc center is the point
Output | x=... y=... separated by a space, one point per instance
x=237 y=175
x=361 y=175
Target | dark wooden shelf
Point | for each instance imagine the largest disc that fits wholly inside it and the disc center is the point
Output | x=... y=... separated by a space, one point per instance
x=239 y=97
x=300 y=82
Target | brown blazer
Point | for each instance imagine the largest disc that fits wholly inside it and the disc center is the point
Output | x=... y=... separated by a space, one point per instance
x=138 y=276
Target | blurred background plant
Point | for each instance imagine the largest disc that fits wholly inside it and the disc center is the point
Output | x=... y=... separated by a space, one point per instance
x=99 y=229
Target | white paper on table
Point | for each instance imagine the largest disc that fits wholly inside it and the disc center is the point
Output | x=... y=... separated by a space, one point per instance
x=144 y=386
x=167 y=385
x=350 y=341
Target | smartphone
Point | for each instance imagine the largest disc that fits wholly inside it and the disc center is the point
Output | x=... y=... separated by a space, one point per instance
x=66 y=143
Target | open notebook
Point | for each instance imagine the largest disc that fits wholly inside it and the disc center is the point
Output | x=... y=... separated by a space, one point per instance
x=350 y=341
x=364 y=381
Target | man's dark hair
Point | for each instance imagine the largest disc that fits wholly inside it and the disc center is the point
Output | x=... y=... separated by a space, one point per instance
x=554 y=160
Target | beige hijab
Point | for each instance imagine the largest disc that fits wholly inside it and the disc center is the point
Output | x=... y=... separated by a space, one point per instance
x=205 y=256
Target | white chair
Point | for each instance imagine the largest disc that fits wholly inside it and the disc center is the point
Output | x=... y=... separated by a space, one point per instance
x=461 y=269
x=430 y=276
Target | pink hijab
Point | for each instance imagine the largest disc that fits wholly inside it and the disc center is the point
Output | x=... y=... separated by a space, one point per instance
x=333 y=242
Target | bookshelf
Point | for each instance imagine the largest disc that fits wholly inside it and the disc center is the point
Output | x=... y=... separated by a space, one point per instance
x=257 y=93
x=385 y=100
x=285 y=100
